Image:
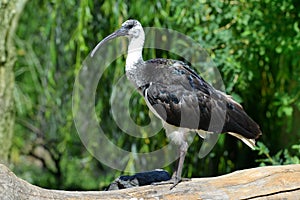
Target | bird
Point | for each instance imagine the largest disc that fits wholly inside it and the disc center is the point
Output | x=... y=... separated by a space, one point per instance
x=181 y=98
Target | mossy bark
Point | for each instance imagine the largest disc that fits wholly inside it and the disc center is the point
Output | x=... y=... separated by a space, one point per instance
x=9 y=12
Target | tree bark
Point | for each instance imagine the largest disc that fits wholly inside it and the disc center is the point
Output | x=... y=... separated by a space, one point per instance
x=272 y=182
x=9 y=12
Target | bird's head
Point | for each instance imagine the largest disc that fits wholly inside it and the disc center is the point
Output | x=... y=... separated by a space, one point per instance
x=130 y=28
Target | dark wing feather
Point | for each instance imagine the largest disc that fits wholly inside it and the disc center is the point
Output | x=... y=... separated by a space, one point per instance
x=238 y=121
x=182 y=98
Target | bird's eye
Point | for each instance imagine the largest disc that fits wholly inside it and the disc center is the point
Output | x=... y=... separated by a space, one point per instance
x=130 y=26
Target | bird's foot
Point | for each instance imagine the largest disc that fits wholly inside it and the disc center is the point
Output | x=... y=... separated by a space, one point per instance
x=174 y=181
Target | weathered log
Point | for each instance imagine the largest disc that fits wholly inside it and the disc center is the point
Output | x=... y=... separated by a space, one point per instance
x=272 y=182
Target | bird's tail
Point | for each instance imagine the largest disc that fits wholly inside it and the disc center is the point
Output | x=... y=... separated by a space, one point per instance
x=240 y=125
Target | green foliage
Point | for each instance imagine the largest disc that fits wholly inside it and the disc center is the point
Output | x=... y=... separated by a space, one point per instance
x=254 y=44
x=282 y=157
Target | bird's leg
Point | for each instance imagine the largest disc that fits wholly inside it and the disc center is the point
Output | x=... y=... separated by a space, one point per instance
x=182 y=153
x=176 y=178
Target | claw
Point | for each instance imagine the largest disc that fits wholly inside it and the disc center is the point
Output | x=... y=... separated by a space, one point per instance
x=174 y=181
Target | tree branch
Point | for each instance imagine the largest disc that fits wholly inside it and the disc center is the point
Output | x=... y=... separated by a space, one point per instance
x=272 y=182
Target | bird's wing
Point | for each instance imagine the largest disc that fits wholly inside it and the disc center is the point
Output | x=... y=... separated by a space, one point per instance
x=182 y=98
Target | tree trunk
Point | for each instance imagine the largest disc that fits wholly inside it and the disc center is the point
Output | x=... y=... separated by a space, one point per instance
x=9 y=12
x=272 y=182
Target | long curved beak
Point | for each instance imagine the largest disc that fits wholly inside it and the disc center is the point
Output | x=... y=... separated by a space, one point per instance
x=121 y=32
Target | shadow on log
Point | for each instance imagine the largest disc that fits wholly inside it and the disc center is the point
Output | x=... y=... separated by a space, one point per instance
x=272 y=182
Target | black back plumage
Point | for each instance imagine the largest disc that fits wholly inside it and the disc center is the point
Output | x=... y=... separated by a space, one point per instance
x=182 y=98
